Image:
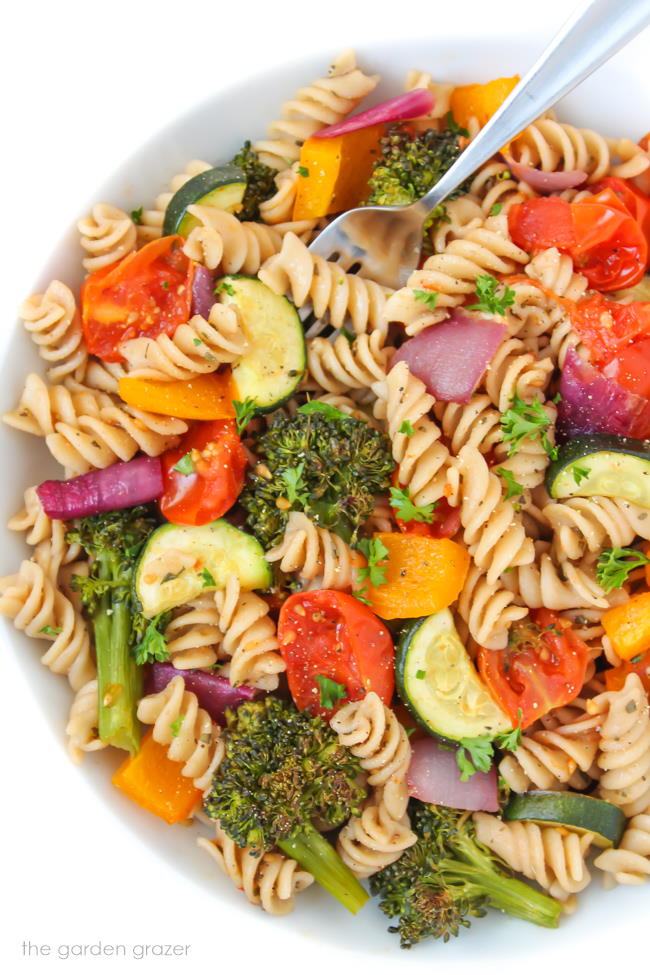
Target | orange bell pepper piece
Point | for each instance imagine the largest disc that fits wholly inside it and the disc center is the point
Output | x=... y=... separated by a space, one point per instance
x=207 y=397
x=155 y=782
x=628 y=626
x=423 y=576
x=480 y=101
x=334 y=173
x=615 y=677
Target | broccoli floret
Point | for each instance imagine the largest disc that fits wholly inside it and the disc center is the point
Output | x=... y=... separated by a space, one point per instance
x=328 y=465
x=114 y=540
x=283 y=769
x=447 y=877
x=411 y=163
x=260 y=182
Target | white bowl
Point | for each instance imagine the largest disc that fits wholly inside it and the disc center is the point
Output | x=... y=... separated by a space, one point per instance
x=614 y=102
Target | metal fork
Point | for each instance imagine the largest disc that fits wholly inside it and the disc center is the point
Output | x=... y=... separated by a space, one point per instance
x=384 y=243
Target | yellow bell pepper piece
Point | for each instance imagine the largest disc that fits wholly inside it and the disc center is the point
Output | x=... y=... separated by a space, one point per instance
x=334 y=173
x=155 y=782
x=628 y=626
x=206 y=397
x=480 y=101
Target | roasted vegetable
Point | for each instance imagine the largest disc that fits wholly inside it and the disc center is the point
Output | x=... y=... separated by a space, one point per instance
x=260 y=185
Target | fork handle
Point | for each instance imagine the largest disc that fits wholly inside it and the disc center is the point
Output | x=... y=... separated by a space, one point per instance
x=595 y=31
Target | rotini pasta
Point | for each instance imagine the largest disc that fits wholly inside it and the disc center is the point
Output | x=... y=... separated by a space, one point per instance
x=249 y=639
x=341 y=365
x=107 y=235
x=82 y=726
x=588 y=524
x=193 y=635
x=629 y=863
x=222 y=241
x=321 y=559
x=52 y=321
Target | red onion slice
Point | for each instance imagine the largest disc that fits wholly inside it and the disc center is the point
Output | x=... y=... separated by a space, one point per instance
x=434 y=777
x=543 y=182
x=120 y=486
x=202 y=291
x=413 y=104
x=450 y=358
x=595 y=403
x=214 y=693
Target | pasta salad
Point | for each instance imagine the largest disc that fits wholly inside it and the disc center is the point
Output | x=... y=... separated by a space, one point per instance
x=358 y=578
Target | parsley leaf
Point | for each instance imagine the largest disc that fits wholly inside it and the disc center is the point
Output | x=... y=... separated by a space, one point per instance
x=185 y=465
x=523 y=420
x=244 y=413
x=224 y=286
x=511 y=740
x=303 y=171
x=580 y=473
x=315 y=406
x=153 y=645
x=296 y=487
x=347 y=334
x=488 y=299
x=513 y=488
x=407 y=428
x=474 y=755
x=496 y=209
x=51 y=630
x=136 y=216
x=428 y=298
x=615 y=564
x=400 y=499
x=175 y=726
x=375 y=552
x=208 y=578
x=330 y=692
x=453 y=126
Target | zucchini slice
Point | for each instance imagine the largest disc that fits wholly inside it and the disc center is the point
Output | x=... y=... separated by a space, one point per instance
x=222 y=188
x=439 y=684
x=270 y=371
x=576 y=812
x=179 y=562
x=603 y=464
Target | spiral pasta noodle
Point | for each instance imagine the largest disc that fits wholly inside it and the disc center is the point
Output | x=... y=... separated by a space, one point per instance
x=494 y=186
x=193 y=635
x=271 y=880
x=624 y=747
x=249 y=638
x=186 y=729
x=196 y=347
x=85 y=429
x=151 y=221
x=441 y=92
x=222 y=241
x=83 y=721
x=38 y=608
x=107 y=235
x=422 y=458
x=324 y=102
x=629 y=863
x=452 y=275
x=461 y=216
x=104 y=376
x=553 y=146
x=549 y=855
x=321 y=558
x=488 y=609
x=514 y=371
x=307 y=277
x=52 y=320
x=44 y=531
x=373 y=734
x=339 y=366
x=588 y=524
x=563 y=586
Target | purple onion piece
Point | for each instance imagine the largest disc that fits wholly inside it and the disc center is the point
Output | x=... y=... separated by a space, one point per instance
x=434 y=776
x=119 y=486
x=202 y=291
x=214 y=693
x=413 y=104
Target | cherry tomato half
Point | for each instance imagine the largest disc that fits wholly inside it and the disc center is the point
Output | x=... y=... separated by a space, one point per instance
x=631 y=368
x=543 y=667
x=636 y=202
x=145 y=294
x=607 y=327
x=542 y=222
x=204 y=475
x=333 y=636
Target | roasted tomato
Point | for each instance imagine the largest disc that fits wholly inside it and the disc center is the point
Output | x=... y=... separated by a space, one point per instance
x=631 y=368
x=335 y=649
x=204 y=475
x=607 y=327
x=636 y=202
x=545 y=221
x=543 y=667
x=145 y=294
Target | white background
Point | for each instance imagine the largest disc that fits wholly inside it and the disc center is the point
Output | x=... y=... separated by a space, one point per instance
x=83 y=84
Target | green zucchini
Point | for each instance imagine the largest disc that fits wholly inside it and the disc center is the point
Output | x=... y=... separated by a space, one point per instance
x=179 y=562
x=439 y=685
x=270 y=370
x=603 y=464
x=222 y=188
x=576 y=812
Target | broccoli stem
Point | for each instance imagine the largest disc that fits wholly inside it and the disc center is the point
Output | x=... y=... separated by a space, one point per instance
x=315 y=854
x=119 y=678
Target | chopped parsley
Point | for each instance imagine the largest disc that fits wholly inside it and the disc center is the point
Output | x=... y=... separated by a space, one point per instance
x=315 y=406
x=51 y=630
x=488 y=299
x=522 y=420
x=513 y=488
x=208 y=578
x=165 y=285
x=226 y=287
x=176 y=725
x=496 y=209
x=295 y=484
x=185 y=465
x=347 y=334
x=420 y=674
x=136 y=216
x=476 y=754
x=244 y=413
x=406 y=428
x=580 y=473
x=615 y=564
x=375 y=571
x=303 y=171
x=330 y=691
x=400 y=500
x=428 y=298
x=153 y=645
